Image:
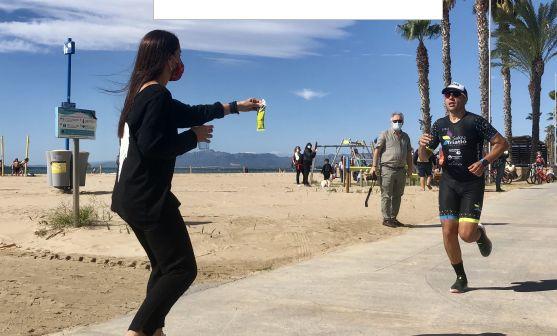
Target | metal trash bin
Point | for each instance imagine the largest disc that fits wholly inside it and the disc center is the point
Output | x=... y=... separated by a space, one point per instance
x=59 y=168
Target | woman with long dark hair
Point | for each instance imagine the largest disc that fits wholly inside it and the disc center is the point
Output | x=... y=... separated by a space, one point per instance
x=149 y=145
x=297 y=160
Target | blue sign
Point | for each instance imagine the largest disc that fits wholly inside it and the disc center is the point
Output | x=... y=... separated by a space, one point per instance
x=75 y=123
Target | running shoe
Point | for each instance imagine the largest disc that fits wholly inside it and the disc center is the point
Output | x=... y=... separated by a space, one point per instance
x=460 y=285
x=484 y=244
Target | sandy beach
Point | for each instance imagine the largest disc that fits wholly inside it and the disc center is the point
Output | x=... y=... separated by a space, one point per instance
x=239 y=224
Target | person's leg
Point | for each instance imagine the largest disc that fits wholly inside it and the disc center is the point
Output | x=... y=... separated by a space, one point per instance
x=428 y=173
x=171 y=247
x=422 y=182
x=499 y=176
x=449 y=205
x=470 y=212
x=428 y=184
x=386 y=184
x=399 y=183
x=155 y=269
x=298 y=176
x=305 y=173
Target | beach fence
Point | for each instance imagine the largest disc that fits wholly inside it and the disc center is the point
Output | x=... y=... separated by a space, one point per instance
x=3 y=158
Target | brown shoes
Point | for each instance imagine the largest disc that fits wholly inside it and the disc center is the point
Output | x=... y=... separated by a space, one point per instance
x=392 y=223
x=389 y=223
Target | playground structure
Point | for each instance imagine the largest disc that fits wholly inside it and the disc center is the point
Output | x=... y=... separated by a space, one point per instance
x=2 y=156
x=358 y=152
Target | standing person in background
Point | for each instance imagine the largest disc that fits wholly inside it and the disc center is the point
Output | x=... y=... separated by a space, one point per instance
x=297 y=161
x=327 y=171
x=425 y=169
x=499 y=165
x=341 y=169
x=309 y=155
x=149 y=145
x=393 y=153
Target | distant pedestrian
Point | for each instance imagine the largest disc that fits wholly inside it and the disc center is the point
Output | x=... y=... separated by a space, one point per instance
x=297 y=162
x=327 y=171
x=309 y=155
x=393 y=153
x=425 y=169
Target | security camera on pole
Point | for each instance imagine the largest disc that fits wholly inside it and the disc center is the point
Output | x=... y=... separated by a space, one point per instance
x=73 y=123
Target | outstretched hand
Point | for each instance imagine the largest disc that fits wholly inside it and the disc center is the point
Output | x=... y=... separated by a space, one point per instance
x=250 y=104
x=203 y=133
x=425 y=139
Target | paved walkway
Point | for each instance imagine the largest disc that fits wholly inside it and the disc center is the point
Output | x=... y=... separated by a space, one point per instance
x=398 y=286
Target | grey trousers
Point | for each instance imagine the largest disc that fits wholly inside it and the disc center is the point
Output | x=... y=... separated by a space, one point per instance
x=393 y=182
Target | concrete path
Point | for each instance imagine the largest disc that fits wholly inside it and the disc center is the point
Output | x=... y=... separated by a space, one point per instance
x=398 y=286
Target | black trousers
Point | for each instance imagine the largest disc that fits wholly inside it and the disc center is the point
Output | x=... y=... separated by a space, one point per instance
x=305 y=173
x=298 y=171
x=173 y=269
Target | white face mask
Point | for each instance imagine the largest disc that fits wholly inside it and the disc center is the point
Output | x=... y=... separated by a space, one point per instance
x=397 y=126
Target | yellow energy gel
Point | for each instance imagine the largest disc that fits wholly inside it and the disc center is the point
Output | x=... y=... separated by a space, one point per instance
x=261 y=118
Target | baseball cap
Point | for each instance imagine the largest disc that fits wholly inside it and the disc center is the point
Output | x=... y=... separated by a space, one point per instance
x=454 y=86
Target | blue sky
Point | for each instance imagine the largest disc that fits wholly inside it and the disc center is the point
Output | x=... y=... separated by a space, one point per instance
x=521 y=97
x=323 y=80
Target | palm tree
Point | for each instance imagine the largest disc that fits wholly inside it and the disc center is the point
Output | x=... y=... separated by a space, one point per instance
x=480 y=8
x=531 y=42
x=420 y=30
x=501 y=12
x=446 y=40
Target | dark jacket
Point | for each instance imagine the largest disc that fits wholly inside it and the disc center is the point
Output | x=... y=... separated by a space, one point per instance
x=327 y=170
x=148 y=152
x=308 y=157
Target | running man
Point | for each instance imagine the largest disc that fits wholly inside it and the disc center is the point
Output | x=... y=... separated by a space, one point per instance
x=461 y=189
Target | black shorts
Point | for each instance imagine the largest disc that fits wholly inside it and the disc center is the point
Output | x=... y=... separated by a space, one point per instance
x=423 y=169
x=461 y=200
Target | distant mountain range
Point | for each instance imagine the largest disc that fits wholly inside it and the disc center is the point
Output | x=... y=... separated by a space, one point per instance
x=211 y=158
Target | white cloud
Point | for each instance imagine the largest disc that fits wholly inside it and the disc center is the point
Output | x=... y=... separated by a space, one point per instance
x=228 y=61
x=119 y=25
x=16 y=45
x=309 y=94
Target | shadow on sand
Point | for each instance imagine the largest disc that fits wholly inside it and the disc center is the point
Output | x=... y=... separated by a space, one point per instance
x=194 y=223
x=100 y=192
x=526 y=286
x=425 y=226
x=458 y=334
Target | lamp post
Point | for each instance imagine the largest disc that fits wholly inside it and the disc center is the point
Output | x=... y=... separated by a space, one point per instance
x=69 y=49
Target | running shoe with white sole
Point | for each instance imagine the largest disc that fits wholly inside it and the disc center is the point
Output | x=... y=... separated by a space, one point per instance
x=460 y=285
x=484 y=244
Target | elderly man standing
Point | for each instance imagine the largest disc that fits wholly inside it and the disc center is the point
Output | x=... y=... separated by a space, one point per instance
x=393 y=155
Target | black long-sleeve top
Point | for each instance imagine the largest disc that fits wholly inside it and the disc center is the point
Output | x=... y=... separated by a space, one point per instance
x=148 y=152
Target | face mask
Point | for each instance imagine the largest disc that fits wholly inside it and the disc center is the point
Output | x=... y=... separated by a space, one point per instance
x=177 y=73
x=397 y=126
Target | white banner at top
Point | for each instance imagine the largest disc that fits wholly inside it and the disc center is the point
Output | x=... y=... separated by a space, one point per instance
x=299 y=9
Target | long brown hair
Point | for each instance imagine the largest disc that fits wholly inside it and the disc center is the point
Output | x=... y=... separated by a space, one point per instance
x=155 y=50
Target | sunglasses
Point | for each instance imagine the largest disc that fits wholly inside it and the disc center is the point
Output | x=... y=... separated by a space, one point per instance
x=398 y=121
x=454 y=94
